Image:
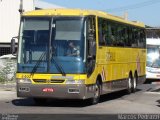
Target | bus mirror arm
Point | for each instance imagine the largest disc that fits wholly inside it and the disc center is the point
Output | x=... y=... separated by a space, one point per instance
x=13 y=45
x=91 y=57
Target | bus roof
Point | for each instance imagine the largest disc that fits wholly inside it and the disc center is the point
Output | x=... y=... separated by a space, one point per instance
x=79 y=12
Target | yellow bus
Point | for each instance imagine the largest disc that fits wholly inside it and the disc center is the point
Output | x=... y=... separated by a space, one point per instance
x=78 y=54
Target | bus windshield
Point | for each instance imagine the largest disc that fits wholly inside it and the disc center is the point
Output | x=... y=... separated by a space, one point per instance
x=153 y=54
x=154 y=64
x=51 y=45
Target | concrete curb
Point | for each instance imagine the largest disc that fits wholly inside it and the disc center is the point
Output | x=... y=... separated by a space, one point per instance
x=8 y=87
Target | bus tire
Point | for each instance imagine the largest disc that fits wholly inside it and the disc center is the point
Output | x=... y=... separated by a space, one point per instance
x=134 y=87
x=129 y=84
x=39 y=101
x=96 y=96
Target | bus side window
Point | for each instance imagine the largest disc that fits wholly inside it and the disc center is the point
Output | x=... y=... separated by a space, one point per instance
x=109 y=40
x=130 y=37
x=91 y=44
x=121 y=35
x=91 y=36
x=134 y=37
x=142 y=38
x=102 y=32
x=113 y=35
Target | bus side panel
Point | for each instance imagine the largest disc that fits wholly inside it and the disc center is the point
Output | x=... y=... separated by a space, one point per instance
x=115 y=64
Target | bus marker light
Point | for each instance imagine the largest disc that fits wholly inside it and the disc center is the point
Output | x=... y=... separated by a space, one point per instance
x=48 y=90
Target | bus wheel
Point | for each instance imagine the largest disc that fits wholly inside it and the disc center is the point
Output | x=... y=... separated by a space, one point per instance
x=134 y=83
x=129 y=87
x=96 y=96
x=40 y=101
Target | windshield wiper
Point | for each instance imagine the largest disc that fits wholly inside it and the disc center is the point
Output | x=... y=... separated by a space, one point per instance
x=38 y=63
x=58 y=66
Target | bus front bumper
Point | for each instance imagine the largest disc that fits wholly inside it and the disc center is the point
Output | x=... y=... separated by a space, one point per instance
x=151 y=75
x=57 y=91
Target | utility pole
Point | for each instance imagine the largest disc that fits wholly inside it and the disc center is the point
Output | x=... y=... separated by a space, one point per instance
x=21 y=10
x=125 y=15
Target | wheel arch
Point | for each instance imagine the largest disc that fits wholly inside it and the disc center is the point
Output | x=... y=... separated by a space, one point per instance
x=130 y=74
x=99 y=79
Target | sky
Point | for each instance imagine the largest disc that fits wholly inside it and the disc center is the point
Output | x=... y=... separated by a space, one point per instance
x=146 y=11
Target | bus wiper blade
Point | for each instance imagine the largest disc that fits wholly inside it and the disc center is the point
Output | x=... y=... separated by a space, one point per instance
x=58 y=66
x=38 y=63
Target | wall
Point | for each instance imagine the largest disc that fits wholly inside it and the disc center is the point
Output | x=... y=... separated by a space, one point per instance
x=10 y=18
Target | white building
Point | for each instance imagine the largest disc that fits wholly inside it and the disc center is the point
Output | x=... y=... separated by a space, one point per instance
x=10 y=19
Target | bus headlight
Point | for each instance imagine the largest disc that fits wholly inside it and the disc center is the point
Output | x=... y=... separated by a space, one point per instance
x=24 y=80
x=74 y=81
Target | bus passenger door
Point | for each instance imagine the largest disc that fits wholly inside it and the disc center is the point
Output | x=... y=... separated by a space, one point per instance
x=90 y=44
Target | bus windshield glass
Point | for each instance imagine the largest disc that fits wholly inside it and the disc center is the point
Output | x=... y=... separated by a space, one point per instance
x=153 y=54
x=154 y=64
x=51 y=45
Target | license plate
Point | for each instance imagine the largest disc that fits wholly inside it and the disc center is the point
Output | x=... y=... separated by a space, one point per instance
x=48 y=89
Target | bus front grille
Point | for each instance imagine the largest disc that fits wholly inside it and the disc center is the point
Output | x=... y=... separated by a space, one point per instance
x=39 y=80
x=47 y=81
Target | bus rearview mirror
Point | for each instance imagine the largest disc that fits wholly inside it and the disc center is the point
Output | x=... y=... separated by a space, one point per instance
x=13 y=46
